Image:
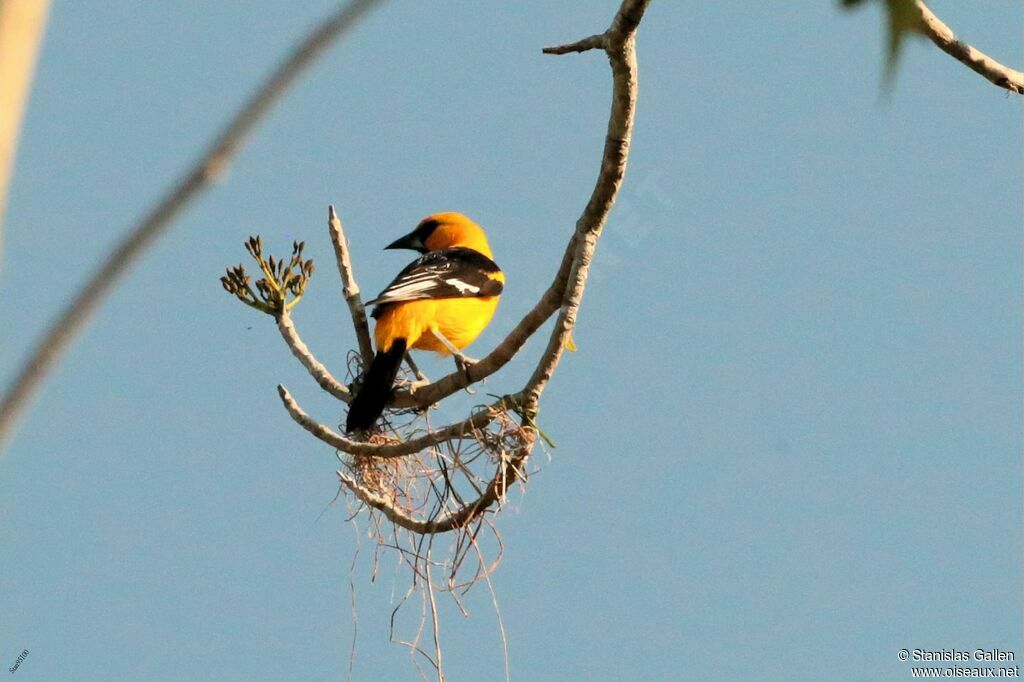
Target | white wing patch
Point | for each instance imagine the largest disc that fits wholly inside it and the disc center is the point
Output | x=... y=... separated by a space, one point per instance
x=463 y=287
x=411 y=287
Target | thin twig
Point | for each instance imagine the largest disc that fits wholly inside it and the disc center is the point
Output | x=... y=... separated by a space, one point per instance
x=596 y=42
x=494 y=602
x=975 y=59
x=413 y=646
x=316 y=370
x=210 y=166
x=352 y=593
x=349 y=287
x=433 y=615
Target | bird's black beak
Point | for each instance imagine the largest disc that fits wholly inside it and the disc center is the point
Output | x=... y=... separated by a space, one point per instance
x=409 y=241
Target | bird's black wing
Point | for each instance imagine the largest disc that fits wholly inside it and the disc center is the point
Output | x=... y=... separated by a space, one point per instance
x=449 y=273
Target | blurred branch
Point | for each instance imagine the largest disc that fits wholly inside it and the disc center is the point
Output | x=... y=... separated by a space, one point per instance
x=978 y=61
x=210 y=166
x=22 y=24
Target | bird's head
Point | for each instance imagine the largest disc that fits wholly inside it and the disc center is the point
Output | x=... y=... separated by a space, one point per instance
x=444 y=231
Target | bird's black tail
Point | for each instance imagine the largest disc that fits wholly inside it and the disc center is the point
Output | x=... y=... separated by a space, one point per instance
x=377 y=387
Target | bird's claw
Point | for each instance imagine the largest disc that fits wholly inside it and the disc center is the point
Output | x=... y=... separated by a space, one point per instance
x=465 y=364
x=418 y=384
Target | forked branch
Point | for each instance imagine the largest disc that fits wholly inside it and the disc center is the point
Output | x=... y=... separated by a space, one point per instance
x=565 y=293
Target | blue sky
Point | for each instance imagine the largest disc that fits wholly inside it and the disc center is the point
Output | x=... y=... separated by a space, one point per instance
x=789 y=443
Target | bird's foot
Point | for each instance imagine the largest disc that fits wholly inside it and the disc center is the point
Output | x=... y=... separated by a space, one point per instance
x=464 y=364
x=421 y=378
x=418 y=384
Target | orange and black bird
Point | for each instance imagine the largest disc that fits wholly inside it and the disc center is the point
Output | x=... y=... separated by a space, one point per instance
x=439 y=302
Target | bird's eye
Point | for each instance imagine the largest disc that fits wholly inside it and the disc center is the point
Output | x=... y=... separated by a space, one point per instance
x=426 y=228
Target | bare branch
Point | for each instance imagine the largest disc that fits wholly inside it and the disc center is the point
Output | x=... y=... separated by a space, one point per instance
x=596 y=42
x=978 y=61
x=209 y=167
x=620 y=45
x=312 y=365
x=564 y=325
x=349 y=286
x=22 y=24
x=464 y=429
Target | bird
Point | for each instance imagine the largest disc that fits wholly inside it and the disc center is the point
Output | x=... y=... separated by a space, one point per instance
x=440 y=302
